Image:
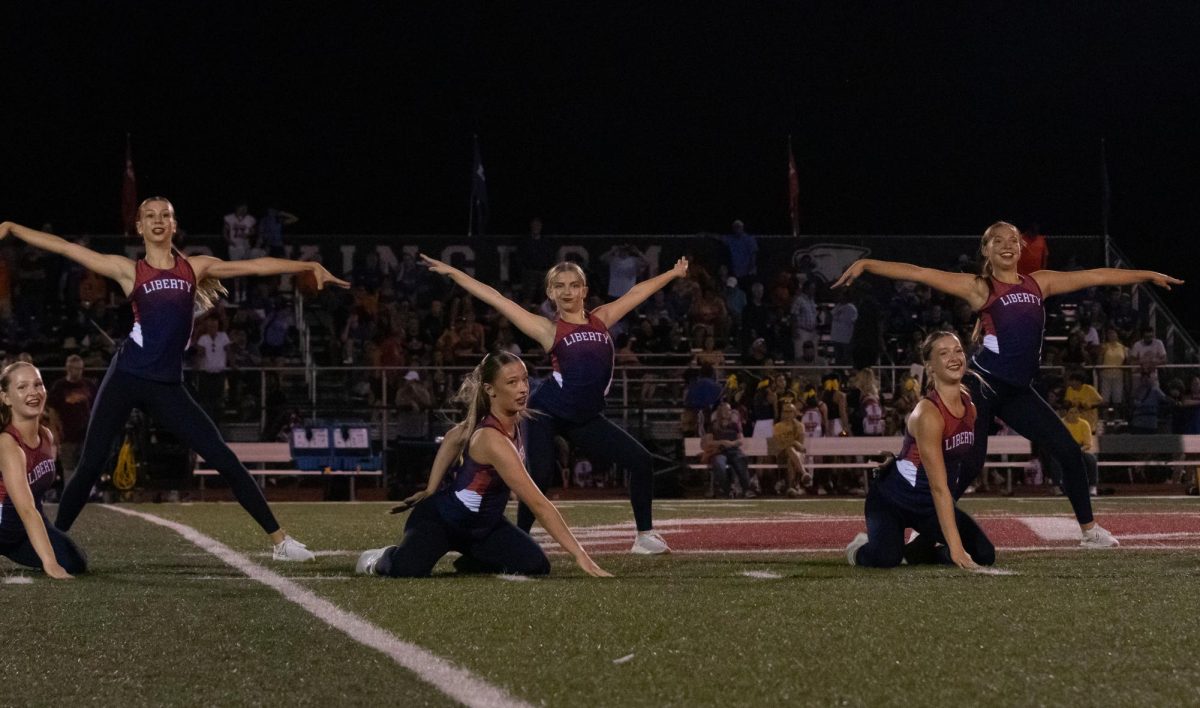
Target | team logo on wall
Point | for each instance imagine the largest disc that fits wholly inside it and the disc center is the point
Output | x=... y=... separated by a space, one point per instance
x=827 y=261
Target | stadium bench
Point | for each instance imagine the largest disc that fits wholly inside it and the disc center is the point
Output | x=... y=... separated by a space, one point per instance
x=760 y=452
x=257 y=455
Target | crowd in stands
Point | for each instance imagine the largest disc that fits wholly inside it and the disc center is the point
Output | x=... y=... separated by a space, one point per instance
x=749 y=340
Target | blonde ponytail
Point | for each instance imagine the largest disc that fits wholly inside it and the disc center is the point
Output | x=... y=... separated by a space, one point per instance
x=472 y=394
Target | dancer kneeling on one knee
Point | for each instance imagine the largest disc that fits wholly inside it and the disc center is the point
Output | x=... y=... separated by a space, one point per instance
x=27 y=463
x=918 y=489
x=484 y=455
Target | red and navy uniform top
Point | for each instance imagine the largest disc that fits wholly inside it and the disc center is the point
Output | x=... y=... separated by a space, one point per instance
x=1014 y=321
x=582 y=358
x=908 y=485
x=163 y=305
x=39 y=471
x=476 y=495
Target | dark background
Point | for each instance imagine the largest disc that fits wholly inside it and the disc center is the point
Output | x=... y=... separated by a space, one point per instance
x=614 y=117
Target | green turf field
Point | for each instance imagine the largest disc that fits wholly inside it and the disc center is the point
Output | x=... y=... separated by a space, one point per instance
x=161 y=621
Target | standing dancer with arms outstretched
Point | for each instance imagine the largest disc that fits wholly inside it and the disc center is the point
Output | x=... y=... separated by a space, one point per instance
x=165 y=289
x=571 y=403
x=1012 y=319
x=917 y=490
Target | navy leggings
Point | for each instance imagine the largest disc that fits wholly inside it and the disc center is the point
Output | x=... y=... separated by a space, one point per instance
x=174 y=409
x=427 y=537
x=1029 y=415
x=69 y=555
x=598 y=438
x=886 y=523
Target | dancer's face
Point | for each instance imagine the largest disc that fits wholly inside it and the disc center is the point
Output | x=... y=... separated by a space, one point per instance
x=25 y=392
x=509 y=390
x=947 y=362
x=1004 y=249
x=567 y=291
x=156 y=222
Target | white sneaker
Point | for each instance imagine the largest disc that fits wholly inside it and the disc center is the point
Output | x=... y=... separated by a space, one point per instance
x=289 y=549
x=1099 y=537
x=852 y=550
x=368 y=559
x=649 y=543
x=1093 y=491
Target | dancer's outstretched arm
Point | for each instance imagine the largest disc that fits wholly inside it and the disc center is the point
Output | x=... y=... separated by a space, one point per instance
x=1056 y=282
x=208 y=266
x=118 y=268
x=971 y=288
x=536 y=327
x=611 y=313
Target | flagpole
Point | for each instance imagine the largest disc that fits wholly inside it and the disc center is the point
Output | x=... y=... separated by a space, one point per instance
x=1105 y=203
x=471 y=199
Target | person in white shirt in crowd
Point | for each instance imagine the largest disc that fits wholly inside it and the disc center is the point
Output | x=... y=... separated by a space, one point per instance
x=213 y=363
x=1148 y=352
x=240 y=232
x=625 y=265
x=804 y=317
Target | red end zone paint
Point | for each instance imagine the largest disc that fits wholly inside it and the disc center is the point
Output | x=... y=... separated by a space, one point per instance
x=832 y=533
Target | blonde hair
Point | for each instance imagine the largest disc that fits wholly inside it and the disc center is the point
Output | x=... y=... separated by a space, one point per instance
x=208 y=290
x=927 y=353
x=564 y=267
x=5 y=380
x=985 y=269
x=474 y=396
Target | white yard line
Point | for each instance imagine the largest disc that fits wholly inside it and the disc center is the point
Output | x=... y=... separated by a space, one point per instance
x=456 y=682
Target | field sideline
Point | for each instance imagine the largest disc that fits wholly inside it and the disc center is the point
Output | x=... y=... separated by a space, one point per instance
x=757 y=606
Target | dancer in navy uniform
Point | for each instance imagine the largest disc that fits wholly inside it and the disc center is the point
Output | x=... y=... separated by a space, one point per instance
x=918 y=489
x=27 y=463
x=571 y=404
x=1012 y=321
x=465 y=513
x=165 y=289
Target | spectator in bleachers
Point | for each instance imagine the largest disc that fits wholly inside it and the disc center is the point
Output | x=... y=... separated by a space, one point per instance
x=711 y=355
x=239 y=231
x=755 y=316
x=213 y=345
x=765 y=408
x=1113 y=354
x=722 y=451
x=1148 y=353
x=1081 y=432
x=869 y=418
x=1083 y=397
x=708 y=311
x=835 y=405
x=1190 y=403
x=412 y=394
x=814 y=417
x=270 y=230
x=735 y=304
x=701 y=394
x=906 y=398
x=743 y=253
x=809 y=358
x=757 y=354
x=804 y=318
x=626 y=264
x=1076 y=353
x=841 y=327
x=788 y=438
x=1147 y=400
x=69 y=402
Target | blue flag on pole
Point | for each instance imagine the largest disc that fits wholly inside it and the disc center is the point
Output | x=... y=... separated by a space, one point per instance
x=477 y=224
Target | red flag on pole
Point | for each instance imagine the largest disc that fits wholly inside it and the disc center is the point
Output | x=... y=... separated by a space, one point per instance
x=793 y=191
x=128 y=192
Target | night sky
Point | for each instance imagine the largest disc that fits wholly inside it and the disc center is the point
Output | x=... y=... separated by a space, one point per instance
x=614 y=117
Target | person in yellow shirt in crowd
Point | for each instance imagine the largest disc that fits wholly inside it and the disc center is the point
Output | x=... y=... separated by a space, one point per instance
x=1085 y=397
x=1113 y=354
x=1081 y=431
x=788 y=441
